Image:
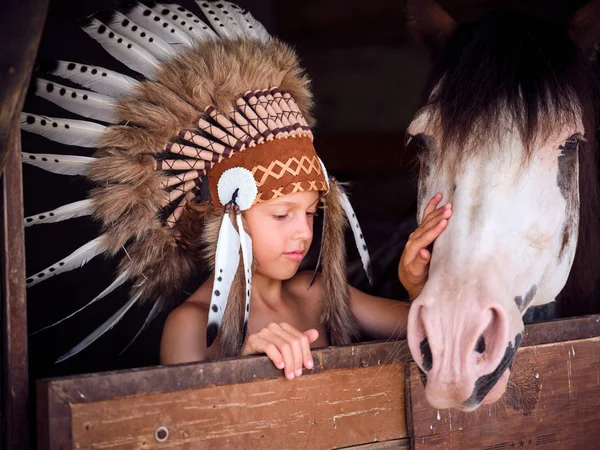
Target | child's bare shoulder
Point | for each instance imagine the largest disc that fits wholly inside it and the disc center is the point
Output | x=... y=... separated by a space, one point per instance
x=194 y=307
x=184 y=333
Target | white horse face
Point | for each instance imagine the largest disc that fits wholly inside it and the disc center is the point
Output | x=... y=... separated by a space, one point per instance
x=506 y=86
x=509 y=245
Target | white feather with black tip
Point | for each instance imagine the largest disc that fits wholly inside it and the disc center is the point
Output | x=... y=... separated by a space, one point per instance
x=74 y=261
x=118 y=46
x=359 y=239
x=250 y=26
x=227 y=259
x=59 y=164
x=65 y=212
x=186 y=21
x=122 y=278
x=80 y=133
x=152 y=21
x=98 y=79
x=85 y=103
x=111 y=322
x=145 y=38
x=246 y=244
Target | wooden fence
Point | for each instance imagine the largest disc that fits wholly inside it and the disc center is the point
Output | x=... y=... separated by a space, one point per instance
x=366 y=396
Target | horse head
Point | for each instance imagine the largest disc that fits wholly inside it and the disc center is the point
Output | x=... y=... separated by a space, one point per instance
x=506 y=134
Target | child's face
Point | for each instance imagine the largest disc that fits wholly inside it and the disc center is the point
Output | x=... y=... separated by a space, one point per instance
x=282 y=231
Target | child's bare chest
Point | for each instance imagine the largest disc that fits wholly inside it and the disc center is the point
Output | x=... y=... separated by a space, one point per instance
x=300 y=320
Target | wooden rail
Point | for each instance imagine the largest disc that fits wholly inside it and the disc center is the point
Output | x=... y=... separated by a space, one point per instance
x=367 y=395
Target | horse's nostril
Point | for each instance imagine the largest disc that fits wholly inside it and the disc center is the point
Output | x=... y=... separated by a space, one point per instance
x=480 y=346
x=426 y=352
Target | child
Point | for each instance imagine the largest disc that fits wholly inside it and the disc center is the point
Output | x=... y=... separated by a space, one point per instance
x=213 y=142
x=285 y=319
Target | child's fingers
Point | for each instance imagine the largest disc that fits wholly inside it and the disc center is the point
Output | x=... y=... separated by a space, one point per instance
x=273 y=353
x=416 y=242
x=285 y=348
x=430 y=235
x=304 y=346
x=293 y=337
x=435 y=200
x=311 y=335
x=418 y=267
x=445 y=212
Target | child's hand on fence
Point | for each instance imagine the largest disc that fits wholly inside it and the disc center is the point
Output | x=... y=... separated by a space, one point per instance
x=414 y=262
x=288 y=348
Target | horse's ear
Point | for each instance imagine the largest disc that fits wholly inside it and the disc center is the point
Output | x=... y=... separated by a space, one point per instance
x=429 y=23
x=584 y=27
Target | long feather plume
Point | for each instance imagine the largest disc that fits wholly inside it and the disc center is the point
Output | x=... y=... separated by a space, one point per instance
x=221 y=20
x=246 y=244
x=151 y=315
x=359 y=239
x=80 y=133
x=118 y=46
x=95 y=78
x=111 y=322
x=65 y=212
x=250 y=26
x=227 y=259
x=186 y=21
x=161 y=26
x=59 y=164
x=145 y=38
x=115 y=284
x=75 y=260
x=85 y=103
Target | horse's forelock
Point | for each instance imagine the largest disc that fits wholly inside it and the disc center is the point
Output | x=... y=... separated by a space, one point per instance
x=507 y=70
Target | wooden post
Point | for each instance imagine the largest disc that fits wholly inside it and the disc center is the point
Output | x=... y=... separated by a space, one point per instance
x=21 y=23
x=15 y=379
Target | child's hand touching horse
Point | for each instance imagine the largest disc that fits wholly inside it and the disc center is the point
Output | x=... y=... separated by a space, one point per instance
x=288 y=348
x=414 y=262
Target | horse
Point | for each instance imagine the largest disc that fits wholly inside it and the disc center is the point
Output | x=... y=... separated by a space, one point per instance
x=507 y=135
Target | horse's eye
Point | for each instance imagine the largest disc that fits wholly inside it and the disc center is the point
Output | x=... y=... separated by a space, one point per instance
x=571 y=144
x=418 y=144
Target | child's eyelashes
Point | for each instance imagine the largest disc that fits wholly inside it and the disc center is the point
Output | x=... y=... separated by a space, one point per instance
x=309 y=214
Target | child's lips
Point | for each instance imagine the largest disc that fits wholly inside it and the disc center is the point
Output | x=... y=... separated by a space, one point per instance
x=296 y=255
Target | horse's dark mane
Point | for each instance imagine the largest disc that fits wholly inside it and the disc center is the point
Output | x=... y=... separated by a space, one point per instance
x=512 y=65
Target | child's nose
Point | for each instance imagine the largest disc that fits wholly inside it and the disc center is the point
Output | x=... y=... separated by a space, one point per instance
x=304 y=228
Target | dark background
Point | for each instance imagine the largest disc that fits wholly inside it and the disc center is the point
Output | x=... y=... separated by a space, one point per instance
x=367 y=77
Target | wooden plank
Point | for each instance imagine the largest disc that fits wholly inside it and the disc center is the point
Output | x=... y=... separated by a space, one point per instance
x=553 y=402
x=21 y=23
x=240 y=377
x=162 y=379
x=53 y=420
x=561 y=330
x=15 y=378
x=332 y=409
x=396 y=444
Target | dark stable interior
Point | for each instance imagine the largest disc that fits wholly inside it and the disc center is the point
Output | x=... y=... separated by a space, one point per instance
x=367 y=81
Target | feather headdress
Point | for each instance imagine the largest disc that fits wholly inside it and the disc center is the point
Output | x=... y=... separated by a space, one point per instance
x=222 y=103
